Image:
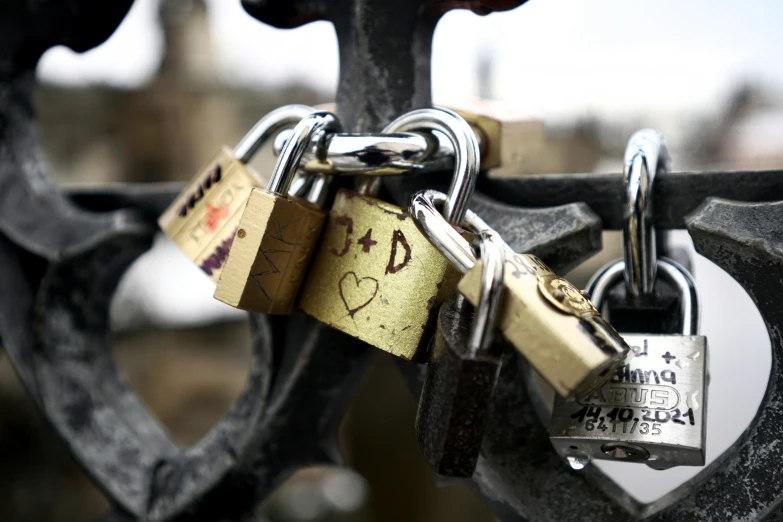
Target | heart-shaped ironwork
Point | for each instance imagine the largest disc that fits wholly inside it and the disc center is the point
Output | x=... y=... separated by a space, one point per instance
x=60 y=343
x=524 y=479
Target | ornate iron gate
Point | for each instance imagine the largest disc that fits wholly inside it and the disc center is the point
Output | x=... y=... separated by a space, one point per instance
x=62 y=255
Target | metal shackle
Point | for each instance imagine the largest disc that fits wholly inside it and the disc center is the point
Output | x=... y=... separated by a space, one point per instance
x=267 y=127
x=485 y=315
x=441 y=234
x=604 y=280
x=645 y=155
x=311 y=128
x=375 y=154
x=467 y=157
x=276 y=123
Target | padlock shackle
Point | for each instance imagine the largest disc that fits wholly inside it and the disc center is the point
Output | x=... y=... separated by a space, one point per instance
x=645 y=155
x=267 y=127
x=467 y=158
x=599 y=286
x=442 y=235
x=485 y=315
x=311 y=128
x=439 y=232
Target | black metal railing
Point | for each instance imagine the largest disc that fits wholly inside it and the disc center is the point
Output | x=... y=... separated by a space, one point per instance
x=62 y=255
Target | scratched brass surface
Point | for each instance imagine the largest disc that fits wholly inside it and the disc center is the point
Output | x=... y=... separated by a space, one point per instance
x=376 y=277
x=203 y=218
x=268 y=260
x=569 y=344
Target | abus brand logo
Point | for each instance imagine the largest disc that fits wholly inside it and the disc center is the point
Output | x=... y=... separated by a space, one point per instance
x=648 y=396
x=212 y=177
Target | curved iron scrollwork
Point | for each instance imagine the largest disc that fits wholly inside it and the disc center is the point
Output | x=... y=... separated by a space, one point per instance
x=63 y=254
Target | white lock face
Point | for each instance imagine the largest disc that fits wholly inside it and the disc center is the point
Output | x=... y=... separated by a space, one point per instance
x=652 y=411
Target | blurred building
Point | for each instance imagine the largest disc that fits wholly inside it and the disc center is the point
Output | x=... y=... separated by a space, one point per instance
x=164 y=131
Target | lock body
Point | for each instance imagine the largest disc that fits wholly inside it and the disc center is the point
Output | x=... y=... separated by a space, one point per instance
x=508 y=140
x=270 y=252
x=455 y=401
x=652 y=411
x=203 y=218
x=553 y=326
x=376 y=277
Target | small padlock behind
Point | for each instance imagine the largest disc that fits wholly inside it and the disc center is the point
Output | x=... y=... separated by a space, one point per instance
x=462 y=369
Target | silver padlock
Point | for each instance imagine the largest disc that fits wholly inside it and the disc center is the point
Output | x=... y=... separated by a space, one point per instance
x=654 y=408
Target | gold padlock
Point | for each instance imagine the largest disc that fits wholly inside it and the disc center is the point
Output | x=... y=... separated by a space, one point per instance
x=375 y=276
x=276 y=234
x=554 y=326
x=507 y=137
x=202 y=220
x=551 y=323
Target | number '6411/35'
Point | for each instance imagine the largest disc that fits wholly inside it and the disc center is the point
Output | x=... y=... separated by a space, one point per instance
x=627 y=415
x=643 y=428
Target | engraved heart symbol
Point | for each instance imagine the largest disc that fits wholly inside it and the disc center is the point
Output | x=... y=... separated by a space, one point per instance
x=357 y=293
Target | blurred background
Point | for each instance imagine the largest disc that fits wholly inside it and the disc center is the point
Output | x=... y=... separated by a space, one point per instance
x=179 y=78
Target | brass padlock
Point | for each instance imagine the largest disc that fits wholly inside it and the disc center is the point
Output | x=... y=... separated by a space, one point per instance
x=507 y=138
x=544 y=317
x=553 y=326
x=276 y=234
x=375 y=276
x=202 y=220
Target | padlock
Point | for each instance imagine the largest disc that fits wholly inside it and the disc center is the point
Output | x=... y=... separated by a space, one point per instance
x=374 y=276
x=551 y=323
x=276 y=234
x=462 y=369
x=653 y=410
x=508 y=138
x=202 y=220
x=643 y=306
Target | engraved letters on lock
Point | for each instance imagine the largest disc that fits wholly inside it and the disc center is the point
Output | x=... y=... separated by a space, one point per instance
x=553 y=325
x=375 y=276
x=203 y=218
x=277 y=233
x=651 y=411
x=270 y=253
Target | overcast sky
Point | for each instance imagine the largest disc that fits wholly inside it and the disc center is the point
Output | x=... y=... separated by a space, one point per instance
x=558 y=58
